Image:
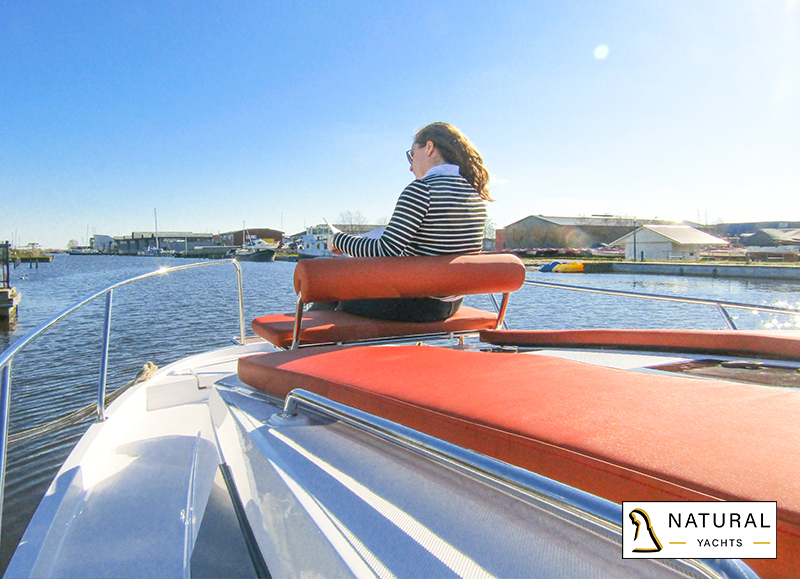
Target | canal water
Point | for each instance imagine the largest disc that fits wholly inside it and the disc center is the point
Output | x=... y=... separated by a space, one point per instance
x=165 y=318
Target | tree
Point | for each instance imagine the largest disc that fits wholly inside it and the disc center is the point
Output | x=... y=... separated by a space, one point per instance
x=489 y=229
x=351 y=222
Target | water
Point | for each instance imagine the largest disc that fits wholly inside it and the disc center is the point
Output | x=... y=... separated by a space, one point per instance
x=163 y=319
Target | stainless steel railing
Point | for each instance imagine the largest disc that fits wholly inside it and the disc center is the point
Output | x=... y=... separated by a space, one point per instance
x=719 y=304
x=7 y=357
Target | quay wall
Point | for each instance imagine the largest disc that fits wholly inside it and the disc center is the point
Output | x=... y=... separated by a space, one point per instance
x=788 y=273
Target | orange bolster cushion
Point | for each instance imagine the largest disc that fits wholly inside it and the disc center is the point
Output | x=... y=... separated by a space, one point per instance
x=333 y=279
x=621 y=435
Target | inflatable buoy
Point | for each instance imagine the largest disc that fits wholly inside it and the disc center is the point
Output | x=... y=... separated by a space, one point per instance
x=573 y=267
x=548 y=267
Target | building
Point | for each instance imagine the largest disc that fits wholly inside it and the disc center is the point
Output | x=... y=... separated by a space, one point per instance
x=103 y=244
x=539 y=231
x=740 y=230
x=315 y=240
x=666 y=242
x=236 y=238
x=772 y=244
x=180 y=241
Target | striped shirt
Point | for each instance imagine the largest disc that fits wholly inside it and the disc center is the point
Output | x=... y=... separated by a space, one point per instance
x=438 y=214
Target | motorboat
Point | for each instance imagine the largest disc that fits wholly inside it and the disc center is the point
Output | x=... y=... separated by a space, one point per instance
x=328 y=445
x=155 y=251
x=254 y=249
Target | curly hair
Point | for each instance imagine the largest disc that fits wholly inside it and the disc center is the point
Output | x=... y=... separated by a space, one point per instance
x=456 y=149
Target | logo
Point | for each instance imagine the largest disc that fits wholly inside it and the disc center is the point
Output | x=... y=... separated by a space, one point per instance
x=699 y=530
x=651 y=543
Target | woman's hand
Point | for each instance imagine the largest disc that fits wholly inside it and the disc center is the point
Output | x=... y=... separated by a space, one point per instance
x=332 y=248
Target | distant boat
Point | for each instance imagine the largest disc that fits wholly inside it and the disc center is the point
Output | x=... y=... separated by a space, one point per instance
x=83 y=251
x=153 y=251
x=605 y=250
x=254 y=249
x=156 y=250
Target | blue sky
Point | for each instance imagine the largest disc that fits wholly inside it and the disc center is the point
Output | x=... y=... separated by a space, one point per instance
x=277 y=114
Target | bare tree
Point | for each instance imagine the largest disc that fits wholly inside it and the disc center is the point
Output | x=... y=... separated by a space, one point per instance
x=351 y=222
x=489 y=229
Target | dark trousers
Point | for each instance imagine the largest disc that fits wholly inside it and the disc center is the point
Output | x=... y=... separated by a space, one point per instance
x=396 y=309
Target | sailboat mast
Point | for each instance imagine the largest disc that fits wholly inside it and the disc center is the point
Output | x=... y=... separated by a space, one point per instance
x=155 y=217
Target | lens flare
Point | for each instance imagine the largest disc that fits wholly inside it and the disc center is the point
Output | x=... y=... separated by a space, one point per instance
x=601 y=52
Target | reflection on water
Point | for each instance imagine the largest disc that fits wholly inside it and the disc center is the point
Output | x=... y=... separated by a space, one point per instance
x=162 y=319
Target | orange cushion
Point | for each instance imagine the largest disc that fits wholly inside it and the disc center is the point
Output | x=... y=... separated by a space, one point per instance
x=335 y=279
x=781 y=344
x=618 y=434
x=324 y=326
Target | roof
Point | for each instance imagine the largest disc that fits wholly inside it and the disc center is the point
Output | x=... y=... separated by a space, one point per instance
x=594 y=221
x=785 y=236
x=680 y=234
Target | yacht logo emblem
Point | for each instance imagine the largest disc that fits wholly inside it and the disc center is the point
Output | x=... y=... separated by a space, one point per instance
x=699 y=529
x=644 y=539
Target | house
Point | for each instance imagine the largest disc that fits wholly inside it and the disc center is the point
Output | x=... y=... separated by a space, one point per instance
x=765 y=244
x=664 y=242
x=539 y=231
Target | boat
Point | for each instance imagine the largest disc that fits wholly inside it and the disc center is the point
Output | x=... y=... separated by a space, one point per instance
x=610 y=251
x=155 y=251
x=83 y=251
x=254 y=249
x=330 y=445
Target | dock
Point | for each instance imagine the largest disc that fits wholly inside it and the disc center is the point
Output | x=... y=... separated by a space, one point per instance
x=9 y=298
x=776 y=272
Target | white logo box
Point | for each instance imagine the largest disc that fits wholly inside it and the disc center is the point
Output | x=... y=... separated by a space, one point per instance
x=699 y=530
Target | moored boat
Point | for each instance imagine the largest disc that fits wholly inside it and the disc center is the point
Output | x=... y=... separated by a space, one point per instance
x=248 y=254
x=254 y=249
x=339 y=446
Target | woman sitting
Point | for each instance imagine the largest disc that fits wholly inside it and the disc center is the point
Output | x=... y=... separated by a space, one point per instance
x=441 y=212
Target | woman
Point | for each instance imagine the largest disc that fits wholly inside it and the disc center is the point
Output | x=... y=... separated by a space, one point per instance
x=440 y=212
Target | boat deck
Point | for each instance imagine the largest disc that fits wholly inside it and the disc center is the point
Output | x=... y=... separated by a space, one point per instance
x=322 y=495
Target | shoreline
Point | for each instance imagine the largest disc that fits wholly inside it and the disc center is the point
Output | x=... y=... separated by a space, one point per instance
x=715 y=270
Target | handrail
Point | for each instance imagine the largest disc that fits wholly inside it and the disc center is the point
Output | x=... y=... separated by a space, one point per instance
x=7 y=357
x=598 y=515
x=719 y=304
x=603 y=515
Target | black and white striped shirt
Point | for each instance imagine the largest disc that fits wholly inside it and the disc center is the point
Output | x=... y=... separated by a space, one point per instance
x=440 y=213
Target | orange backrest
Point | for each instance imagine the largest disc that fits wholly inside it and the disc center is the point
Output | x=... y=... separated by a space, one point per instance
x=334 y=279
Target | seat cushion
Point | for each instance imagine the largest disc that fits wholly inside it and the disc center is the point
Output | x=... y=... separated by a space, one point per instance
x=326 y=326
x=778 y=344
x=621 y=435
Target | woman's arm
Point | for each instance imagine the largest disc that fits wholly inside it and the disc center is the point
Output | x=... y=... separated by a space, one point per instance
x=411 y=209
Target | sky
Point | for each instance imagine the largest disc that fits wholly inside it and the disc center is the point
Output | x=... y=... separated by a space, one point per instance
x=279 y=114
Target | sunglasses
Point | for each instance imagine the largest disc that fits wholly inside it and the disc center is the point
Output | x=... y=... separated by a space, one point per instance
x=410 y=156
